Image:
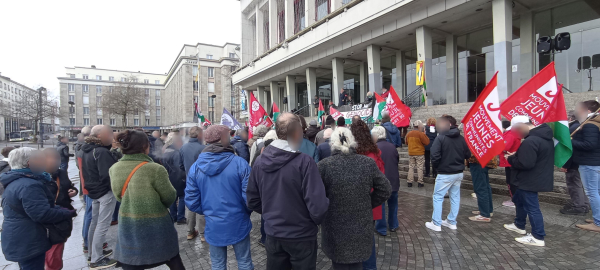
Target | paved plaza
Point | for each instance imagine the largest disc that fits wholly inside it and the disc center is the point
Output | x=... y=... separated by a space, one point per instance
x=472 y=246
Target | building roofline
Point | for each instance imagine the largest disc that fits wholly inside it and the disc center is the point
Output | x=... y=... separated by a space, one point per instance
x=117 y=70
x=212 y=45
x=20 y=84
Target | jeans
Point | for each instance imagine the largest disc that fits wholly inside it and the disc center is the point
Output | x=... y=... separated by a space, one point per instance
x=87 y=219
x=415 y=162
x=174 y=263
x=115 y=216
x=35 y=263
x=446 y=183
x=576 y=190
x=528 y=204
x=481 y=186
x=590 y=176
x=218 y=255
x=194 y=219
x=102 y=211
x=392 y=222
x=263 y=234
x=64 y=166
x=371 y=262
x=285 y=255
x=178 y=210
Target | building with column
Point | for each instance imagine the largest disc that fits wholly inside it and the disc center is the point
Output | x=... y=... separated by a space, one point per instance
x=302 y=48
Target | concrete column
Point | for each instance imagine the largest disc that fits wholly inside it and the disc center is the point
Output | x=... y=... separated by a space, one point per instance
x=311 y=85
x=310 y=12
x=336 y=4
x=275 y=97
x=400 y=85
x=374 y=70
x=526 y=67
x=273 y=24
x=363 y=81
x=290 y=87
x=502 y=19
x=451 y=69
x=261 y=96
x=248 y=39
x=424 y=53
x=260 y=31
x=337 y=65
x=289 y=18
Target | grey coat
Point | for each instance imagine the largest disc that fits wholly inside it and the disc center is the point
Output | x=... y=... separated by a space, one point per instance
x=347 y=232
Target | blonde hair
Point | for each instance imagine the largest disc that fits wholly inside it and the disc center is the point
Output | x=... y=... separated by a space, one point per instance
x=336 y=143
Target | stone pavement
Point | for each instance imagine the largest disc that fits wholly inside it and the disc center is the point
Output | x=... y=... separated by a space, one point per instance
x=472 y=246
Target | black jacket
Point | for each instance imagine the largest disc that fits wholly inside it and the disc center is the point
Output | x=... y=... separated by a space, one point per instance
x=63 y=199
x=311 y=133
x=431 y=136
x=63 y=151
x=532 y=166
x=324 y=150
x=152 y=153
x=570 y=164
x=286 y=188
x=96 y=161
x=172 y=161
x=586 y=144
x=190 y=152
x=449 y=151
x=390 y=158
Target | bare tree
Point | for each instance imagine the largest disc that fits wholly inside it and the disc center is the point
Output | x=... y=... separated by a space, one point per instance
x=125 y=99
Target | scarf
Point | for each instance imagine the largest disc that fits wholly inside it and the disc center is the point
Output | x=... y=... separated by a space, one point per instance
x=44 y=175
x=218 y=148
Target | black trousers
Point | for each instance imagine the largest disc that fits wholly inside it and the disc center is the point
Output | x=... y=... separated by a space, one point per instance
x=511 y=188
x=428 y=164
x=174 y=263
x=286 y=255
x=342 y=266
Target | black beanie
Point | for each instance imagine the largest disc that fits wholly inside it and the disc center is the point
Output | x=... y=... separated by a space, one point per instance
x=341 y=121
x=329 y=120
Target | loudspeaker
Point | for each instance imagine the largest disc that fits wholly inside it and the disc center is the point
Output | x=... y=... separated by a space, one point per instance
x=545 y=44
x=285 y=100
x=584 y=62
x=562 y=41
x=596 y=61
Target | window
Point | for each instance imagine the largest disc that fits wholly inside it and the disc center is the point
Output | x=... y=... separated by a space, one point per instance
x=98 y=101
x=148 y=101
x=85 y=88
x=146 y=81
x=136 y=112
x=85 y=76
x=71 y=87
x=136 y=122
x=231 y=55
x=157 y=82
x=299 y=16
x=111 y=89
x=72 y=98
x=134 y=80
x=111 y=78
x=211 y=102
x=99 y=111
x=211 y=72
x=113 y=122
x=98 y=77
x=209 y=56
x=72 y=121
x=123 y=79
x=147 y=122
x=157 y=93
x=147 y=113
x=157 y=102
x=147 y=91
x=157 y=112
x=86 y=110
x=71 y=75
x=322 y=9
x=71 y=109
x=211 y=87
x=98 y=90
x=99 y=121
x=86 y=100
x=86 y=121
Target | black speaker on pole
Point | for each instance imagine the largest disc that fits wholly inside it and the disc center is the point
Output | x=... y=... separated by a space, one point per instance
x=596 y=61
x=562 y=41
x=584 y=62
x=285 y=100
x=545 y=44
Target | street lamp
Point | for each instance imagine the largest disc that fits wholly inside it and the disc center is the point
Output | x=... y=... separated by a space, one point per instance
x=212 y=106
x=71 y=111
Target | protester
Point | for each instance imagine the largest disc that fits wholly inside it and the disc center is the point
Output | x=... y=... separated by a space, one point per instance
x=416 y=140
x=146 y=237
x=586 y=154
x=231 y=134
x=385 y=92
x=354 y=185
x=356 y=118
x=152 y=141
x=189 y=154
x=366 y=146
x=431 y=134
x=217 y=189
x=257 y=137
x=62 y=146
x=80 y=141
x=393 y=135
x=390 y=158
x=315 y=104
x=96 y=161
x=176 y=170
x=349 y=100
x=343 y=98
x=482 y=188
x=4 y=166
x=115 y=148
x=579 y=204
x=307 y=146
x=340 y=122
x=512 y=141
x=532 y=171
x=313 y=129
x=448 y=154
x=62 y=190
x=159 y=142
x=27 y=205
x=271 y=135
x=324 y=149
x=285 y=185
x=329 y=123
x=87 y=218
x=268 y=139
x=240 y=145
x=330 y=106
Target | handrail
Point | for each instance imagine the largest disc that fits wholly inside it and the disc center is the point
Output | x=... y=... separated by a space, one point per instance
x=302 y=110
x=413 y=100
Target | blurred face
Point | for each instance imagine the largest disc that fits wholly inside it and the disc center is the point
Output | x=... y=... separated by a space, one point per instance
x=37 y=162
x=178 y=143
x=295 y=138
x=442 y=125
x=374 y=137
x=244 y=136
x=156 y=134
x=581 y=112
x=521 y=129
x=52 y=161
x=225 y=138
x=64 y=140
x=106 y=136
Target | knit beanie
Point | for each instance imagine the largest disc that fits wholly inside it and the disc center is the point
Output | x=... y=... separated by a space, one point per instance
x=213 y=133
x=329 y=120
x=341 y=121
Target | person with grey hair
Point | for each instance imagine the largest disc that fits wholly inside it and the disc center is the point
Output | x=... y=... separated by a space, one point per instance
x=189 y=155
x=27 y=205
x=354 y=185
x=257 y=138
x=390 y=158
x=240 y=144
x=173 y=163
x=271 y=135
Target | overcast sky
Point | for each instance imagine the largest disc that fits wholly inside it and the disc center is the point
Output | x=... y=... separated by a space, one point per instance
x=40 y=38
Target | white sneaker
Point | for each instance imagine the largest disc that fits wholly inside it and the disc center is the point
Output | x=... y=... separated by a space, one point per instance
x=433 y=227
x=474 y=195
x=530 y=240
x=508 y=204
x=446 y=224
x=512 y=227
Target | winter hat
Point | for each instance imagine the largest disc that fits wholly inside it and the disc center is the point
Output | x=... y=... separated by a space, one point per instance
x=329 y=120
x=213 y=133
x=341 y=121
x=519 y=119
x=313 y=122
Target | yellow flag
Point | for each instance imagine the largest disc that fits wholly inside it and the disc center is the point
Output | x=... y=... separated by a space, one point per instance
x=420 y=72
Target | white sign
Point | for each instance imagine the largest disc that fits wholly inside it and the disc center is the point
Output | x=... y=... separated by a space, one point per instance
x=514 y=68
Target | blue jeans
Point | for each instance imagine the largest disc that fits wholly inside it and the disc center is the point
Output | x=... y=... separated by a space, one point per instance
x=87 y=219
x=590 y=176
x=35 y=263
x=392 y=222
x=528 y=204
x=115 y=216
x=178 y=211
x=218 y=255
x=482 y=188
x=449 y=183
x=371 y=263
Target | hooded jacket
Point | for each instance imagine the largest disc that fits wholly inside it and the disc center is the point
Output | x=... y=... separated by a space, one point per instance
x=241 y=148
x=390 y=158
x=533 y=164
x=63 y=151
x=4 y=167
x=586 y=144
x=449 y=151
x=512 y=141
x=217 y=189
x=393 y=134
x=173 y=163
x=27 y=204
x=324 y=150
x=310 y=149
x=96 y=161
x=286 y=188
x=63 y=199
x=431 y=135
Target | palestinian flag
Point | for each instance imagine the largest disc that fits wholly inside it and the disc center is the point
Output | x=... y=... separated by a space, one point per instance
x=424 y=93
x=201 y=118
x=320 y=113
x=559 y=122
x=379 y=107
x=274 y=112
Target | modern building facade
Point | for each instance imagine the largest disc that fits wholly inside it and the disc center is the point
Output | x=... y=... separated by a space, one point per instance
x=302 y=48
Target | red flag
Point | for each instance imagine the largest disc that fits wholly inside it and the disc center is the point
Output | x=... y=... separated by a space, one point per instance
x=258 y=115
x=399 y=112
x=534 y=98
x=334 y=113
x=482 y=125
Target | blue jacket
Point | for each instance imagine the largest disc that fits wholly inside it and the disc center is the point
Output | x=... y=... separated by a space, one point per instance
x=23 y=236
x=190 y=152
x=216 y=188
x=310 y=149
x=324 y=150
x=171 y=160
x=241 y=148
x=393 y=134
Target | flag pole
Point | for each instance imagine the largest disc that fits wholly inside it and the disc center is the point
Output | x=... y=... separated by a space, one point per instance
x=585 y=122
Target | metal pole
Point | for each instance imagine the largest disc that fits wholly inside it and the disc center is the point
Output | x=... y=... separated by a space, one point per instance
x=41 y=116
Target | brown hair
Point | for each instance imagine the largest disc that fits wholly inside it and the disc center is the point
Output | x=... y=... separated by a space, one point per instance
x=431 y=121
x=7 y=150
x=591 y=105
x=286 y=124
x=133 y=142
x=363 y=139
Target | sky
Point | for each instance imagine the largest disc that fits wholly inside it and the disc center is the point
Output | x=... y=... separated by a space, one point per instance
x=40 y=38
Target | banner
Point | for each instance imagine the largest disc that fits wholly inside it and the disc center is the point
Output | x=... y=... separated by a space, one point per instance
x=399 y=112
x=258 y=115
x=534 y=98
x=229 y=121
x=348 y=111
x=420 y=72
x=482 y=125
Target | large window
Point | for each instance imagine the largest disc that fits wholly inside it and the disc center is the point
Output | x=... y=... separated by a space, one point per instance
x=71 y=87
x=136 y=122
x=299 y=16
x=85 y=76
x=113 y=122
x=98 y=77
x=86 y=121
x=98 y=121
x=72 y=98
x=211 y=87
x=157 y=102
x=98 y=90
x=211 y=72
x=280 y=21
x=111 y=78
x=72 y=121
x=86 y=100
x=86 y=110
x=209 y=56
x=85 y=88
x=157 y=93
x=323 y=8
